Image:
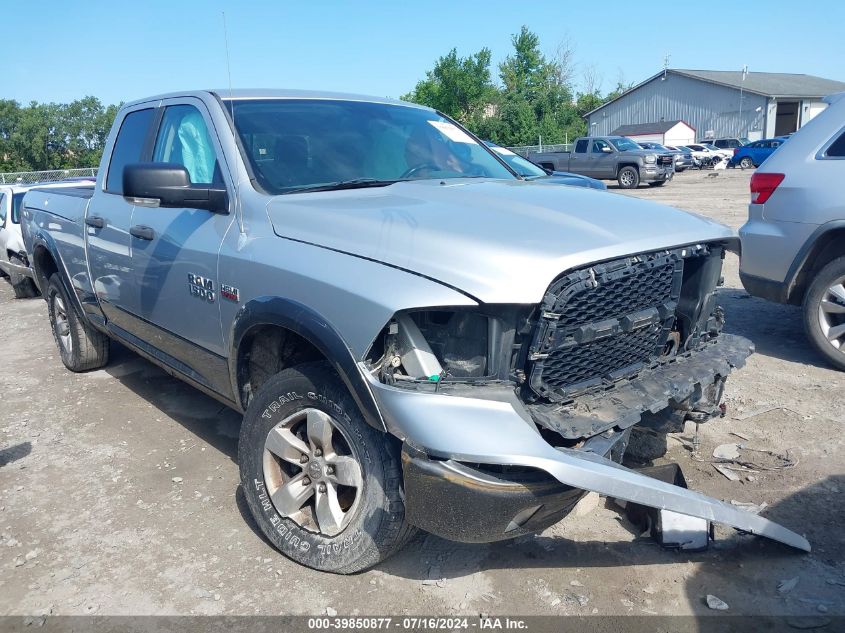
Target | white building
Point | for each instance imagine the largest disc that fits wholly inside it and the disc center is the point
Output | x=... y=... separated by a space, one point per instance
x=718 y=103
x=663 y=132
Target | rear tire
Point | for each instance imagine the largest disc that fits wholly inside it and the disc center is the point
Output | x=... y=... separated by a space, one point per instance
x=746 y=163
x=81 y=347
x=287 y=477
x=824 y=312
x=23 y=287
x=628 y=177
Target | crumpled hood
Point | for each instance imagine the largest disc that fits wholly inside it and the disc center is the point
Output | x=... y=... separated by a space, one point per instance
x=498 y=241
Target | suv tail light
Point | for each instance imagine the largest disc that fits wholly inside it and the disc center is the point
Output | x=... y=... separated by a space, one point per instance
x=763 y=186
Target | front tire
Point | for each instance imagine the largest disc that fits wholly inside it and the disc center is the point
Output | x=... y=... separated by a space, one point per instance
x=81 y=347
x=23 y=287
x=628 y=178
x=324 y=486
x=824 y=312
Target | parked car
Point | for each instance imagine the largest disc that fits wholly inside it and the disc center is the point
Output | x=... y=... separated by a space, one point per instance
x=14 y=263
x=529 y=171
x=683 y=159
x=705 y=155
x=753 y=154
x=611 y=158
x=726 y=143
x=724 y=154
x=416 y=336
x=793 y=245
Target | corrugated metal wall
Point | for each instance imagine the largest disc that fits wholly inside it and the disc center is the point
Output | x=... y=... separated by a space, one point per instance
x=703 y=105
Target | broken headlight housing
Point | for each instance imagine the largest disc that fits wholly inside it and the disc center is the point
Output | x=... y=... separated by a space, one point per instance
x=455 y=344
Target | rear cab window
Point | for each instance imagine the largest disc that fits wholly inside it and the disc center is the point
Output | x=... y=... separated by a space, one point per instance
x=837 y=148
x=128 y=147
x=17 y=201
x=581 y=146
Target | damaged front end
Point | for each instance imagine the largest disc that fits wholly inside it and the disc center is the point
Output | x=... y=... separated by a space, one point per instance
x=509 y=413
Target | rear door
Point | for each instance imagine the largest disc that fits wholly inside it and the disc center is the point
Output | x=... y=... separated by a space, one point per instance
x=175 y=251
x=108 y=219
x=578 y=157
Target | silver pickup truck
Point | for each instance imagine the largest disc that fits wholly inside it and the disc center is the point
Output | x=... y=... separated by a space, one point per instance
x=417 y=337
x=611 y=158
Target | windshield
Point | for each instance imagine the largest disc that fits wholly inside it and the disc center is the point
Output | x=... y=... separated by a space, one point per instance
x=520 y=165
x=309 y=144
x=624 y=144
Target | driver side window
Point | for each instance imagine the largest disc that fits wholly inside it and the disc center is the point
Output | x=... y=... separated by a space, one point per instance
x=183 y=139
x=598 y=147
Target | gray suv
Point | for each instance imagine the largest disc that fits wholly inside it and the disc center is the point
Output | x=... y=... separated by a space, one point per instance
x=793 y=245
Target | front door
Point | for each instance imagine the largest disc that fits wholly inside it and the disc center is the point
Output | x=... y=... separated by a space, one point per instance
x=108 y=219
x=175 y=251
x=602 y=161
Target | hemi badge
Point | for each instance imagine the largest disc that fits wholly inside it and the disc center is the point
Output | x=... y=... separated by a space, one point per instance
x=230 y=292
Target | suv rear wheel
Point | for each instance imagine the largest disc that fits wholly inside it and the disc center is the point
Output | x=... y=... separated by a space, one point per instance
x=324 y=487
x=746 y=162
x=824 y=312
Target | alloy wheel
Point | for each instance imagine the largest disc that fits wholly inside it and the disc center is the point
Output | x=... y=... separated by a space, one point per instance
x=62 y=324
x=311 y=472
x=832 y=314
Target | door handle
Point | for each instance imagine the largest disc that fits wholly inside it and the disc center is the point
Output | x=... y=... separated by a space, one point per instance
x=95 y=221
x=142 y=232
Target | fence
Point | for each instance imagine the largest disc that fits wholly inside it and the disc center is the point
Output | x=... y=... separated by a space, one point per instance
x=54 y=175
x=522 y=150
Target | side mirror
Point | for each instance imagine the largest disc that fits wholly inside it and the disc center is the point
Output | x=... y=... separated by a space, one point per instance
x=169 y=185
x=606 y=150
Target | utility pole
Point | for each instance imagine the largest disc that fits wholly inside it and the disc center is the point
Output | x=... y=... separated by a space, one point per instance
x=741 y=85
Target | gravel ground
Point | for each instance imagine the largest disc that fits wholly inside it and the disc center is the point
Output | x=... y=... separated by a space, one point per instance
x=119 y=494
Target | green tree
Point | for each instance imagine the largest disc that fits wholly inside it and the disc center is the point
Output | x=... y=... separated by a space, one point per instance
x=460 y=87
x=43 y=136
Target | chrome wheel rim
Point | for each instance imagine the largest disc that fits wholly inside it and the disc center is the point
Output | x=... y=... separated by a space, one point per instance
x=312 y=473
x=627 y=178
x=62 y=324
x=832 y=315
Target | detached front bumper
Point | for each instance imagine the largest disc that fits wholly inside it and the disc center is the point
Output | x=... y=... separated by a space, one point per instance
x=495 y=429
x=11 y=268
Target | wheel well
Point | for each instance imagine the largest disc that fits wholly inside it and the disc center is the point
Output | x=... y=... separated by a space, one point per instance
x=827 y=248
x=44 y=265
x=264 y=351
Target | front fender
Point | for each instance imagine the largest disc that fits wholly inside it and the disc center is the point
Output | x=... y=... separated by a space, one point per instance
x=305 y=322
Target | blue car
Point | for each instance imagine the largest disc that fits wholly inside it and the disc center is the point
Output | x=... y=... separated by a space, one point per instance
x=529 y=171
x=753 y=154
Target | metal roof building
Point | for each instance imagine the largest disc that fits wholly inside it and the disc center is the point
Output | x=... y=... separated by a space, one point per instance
x=718 y=103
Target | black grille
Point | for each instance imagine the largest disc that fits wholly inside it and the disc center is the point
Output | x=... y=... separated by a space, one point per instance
x=664 y=160
x=580 y=366
x=635 y=291
x=604 y=323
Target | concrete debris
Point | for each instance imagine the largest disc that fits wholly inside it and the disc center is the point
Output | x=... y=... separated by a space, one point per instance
x=750 y=507
x=176 y=480
x=727 y=472
x=785 y=586
x=575 y=583
x=727 y=451
x=330 y=612
x=716 y=604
